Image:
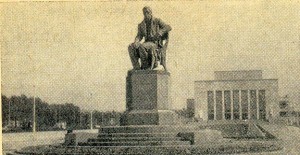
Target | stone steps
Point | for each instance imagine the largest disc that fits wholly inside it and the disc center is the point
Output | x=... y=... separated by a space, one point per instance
x=139 y=135
x=136 y=143
x=145 y=129
x=110 y=135
x=126 y=139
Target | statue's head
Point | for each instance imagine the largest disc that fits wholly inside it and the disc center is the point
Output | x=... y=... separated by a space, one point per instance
x=147 y=12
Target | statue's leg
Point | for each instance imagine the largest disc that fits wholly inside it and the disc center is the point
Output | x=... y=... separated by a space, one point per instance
x=146 y=49
x=153 y=59
x=134 y=57
x=144 y=56
x=156 y=58
x=163 y=58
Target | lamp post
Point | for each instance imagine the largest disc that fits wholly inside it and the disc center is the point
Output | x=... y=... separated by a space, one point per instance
x=9 y=112
x=101 y=118
x=91 y=112
x=34 y=121
x=91 y=119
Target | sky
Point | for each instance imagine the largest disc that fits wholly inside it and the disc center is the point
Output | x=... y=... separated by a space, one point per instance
x=76 y=52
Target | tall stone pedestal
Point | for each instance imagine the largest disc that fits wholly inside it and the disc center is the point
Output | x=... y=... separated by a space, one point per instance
x=147 y=98
x=148 y=120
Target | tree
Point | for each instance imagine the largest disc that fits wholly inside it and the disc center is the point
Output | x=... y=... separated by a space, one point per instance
x=5 y=110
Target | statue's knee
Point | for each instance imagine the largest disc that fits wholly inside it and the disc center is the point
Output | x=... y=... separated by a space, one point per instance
x=130 y=47
x=131 y=50
x=152 y=49
x=141 y=47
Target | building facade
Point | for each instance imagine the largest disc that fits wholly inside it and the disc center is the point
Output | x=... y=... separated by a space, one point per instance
x=236 y=95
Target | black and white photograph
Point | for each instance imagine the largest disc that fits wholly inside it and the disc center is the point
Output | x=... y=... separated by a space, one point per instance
x=150 y=77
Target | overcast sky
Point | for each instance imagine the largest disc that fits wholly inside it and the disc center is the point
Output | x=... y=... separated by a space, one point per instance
x=77 y=51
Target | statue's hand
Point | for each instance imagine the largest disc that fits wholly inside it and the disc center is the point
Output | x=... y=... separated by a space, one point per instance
x=157 y=36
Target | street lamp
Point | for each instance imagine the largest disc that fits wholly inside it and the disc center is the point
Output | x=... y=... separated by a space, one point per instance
x=34 y=121
x=91 y=112
x=92 y=120
x=9 y=112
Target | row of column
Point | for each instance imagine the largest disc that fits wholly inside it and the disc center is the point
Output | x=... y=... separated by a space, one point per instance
x=252 y=107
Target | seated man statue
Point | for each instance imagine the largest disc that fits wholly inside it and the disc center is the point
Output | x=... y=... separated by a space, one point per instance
x=153 y=30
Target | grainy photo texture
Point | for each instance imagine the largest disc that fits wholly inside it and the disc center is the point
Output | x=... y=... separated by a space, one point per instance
x=150 y=77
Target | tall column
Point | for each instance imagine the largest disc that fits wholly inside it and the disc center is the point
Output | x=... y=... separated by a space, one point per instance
x=223 y=105
x=249 y=108
x=215 y=104
x=240 y=104
x=257 y=105
x=231 y=104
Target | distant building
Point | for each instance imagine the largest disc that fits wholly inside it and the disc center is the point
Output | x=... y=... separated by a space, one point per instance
x=237 y=95
x=287 y=113
x=190 y=106
x=285 y=108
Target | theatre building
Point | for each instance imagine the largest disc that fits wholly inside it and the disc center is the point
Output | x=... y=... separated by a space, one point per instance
x=236 y=95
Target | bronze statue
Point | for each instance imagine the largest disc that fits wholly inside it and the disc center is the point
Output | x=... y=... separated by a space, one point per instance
x=153 y=50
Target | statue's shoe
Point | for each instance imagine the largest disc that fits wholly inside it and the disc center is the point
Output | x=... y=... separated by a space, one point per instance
x=159 y=67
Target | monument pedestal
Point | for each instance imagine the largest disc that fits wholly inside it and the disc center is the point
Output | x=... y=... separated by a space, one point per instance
x=149 y=117
x=148 y=120
x=147 y=98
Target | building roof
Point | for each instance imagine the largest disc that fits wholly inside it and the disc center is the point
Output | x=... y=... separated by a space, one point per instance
x=236 y=80
x=238 y=75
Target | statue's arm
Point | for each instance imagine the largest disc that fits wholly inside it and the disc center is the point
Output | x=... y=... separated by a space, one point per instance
x=164 y=28
x=139 y=36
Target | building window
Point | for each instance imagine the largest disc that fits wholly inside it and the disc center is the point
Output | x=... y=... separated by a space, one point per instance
x=262 y=104
x=253 y=103
x=210 y=105
x=227 y=102
x=244 y=103
x=236 y=106
x=219 y=106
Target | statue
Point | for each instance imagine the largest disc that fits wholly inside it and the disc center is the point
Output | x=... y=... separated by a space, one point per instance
x=153 y=50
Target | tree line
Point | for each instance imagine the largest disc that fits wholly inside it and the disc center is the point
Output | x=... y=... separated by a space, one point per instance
x=17 y=115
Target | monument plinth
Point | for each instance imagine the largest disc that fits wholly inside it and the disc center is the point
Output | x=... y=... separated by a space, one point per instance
x=147 y=98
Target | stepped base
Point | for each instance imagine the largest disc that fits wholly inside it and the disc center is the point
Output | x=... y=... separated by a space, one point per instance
x=133 y=138
x=149 y=130
x=136 y=143
x=149 y=117
x=141 y=135
x=166 y=135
